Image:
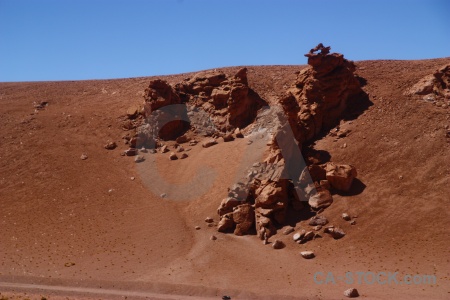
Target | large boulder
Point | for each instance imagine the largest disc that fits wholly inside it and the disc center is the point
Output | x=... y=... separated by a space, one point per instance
x=244 y=217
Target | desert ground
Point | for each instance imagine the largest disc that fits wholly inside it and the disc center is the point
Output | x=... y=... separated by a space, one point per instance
x=93 y=229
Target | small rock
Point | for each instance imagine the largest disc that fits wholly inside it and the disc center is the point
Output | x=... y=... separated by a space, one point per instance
x=183 y=156
x=307 y=254
x=197 y=228
x=110 y=146
x=83 y=156
x=143 y=150
x=298 y=235
x=353 y=222
x=228 y=137
x=277 y=244
x=132 y=111
x=346 y=217
x=318 y=227
x=209 y=220
x=131 y=152
x=318 y=220
x=213 y=238
x=152 y=151
x=173 y=156
x=182 y=139
x=193 y=143
x=209 y=143
x=139 y=159
x=238 y=133
x=132 y=178
x=249 y=142
x=345 y=145
x=164 y=149
x=288 y=230
x=400 y=177
x=163 y=195
x=336 y=232
x=351 y=293
x=308 y=236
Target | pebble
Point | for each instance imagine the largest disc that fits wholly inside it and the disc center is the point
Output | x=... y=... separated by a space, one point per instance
x=307 y=254
x=139 y=159
x=351 y=293
x=197 y=227
x=213 y=238
x=346 y=217
x=209 y=220
x=173 y=156
x=84 y=156
x=277 y=244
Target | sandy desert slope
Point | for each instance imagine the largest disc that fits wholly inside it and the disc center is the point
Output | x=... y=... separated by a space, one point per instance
x=86 y=224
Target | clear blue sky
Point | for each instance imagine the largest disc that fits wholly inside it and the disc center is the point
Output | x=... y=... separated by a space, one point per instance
x=94 y=39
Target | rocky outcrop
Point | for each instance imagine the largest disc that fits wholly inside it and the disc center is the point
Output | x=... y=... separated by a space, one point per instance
x=228 y=99
x=315 y=101
x=321 y=93
x=164 y=112
x=436 y=85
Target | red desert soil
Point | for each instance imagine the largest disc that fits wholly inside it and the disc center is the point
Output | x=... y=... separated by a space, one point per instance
x=83 y=229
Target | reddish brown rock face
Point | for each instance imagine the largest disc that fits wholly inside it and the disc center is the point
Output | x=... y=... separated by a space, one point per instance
x=321 y=93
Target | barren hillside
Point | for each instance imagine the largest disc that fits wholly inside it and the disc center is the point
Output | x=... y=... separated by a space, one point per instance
x=97 y=228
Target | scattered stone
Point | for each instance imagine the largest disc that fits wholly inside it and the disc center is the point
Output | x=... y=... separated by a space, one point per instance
x=182 y=139
x=228 y=137
x=238 y=133
x=131 y=152
x=197 y=228
x=209 y=143
x=173 y=156
x=400 y=177
x=340 y=176
x=244 y=217
x=335 y=232
x=307 y=254
x=318 y=220
x=209 y=220
x=132 y=112
x=132 y=178
x=277 y=244
x=180 y=149
x=110 y=146
x=213 y=238
x=307 y=237
x=139 y=159
x=193 y=143
x=183 y=156
x=226 y=223
x=288 y=230
x=321 y=199
x=163 y=195
x=318 y=227
x=83 y=156
x=353 y=222
x=298 y=235
x=346 y=217
x=351 y=293
x=164 y=149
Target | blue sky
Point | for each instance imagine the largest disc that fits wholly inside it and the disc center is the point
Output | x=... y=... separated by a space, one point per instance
x=96 y=39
